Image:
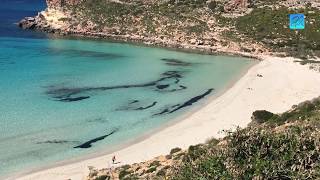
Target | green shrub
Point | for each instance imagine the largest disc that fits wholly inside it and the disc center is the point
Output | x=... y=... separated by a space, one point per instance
x=262 y=116
x=168 y=156
x=175 y=150
x=155 y=164
x=212 y=5
x=123 y=173
x=179 y=156
x=195 y=152
x=213 y=142
x=161 y=173
x=152 y=169
x=125 y=167
x=103 y=177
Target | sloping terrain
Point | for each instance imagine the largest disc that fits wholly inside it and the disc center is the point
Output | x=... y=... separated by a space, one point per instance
x=253 y=27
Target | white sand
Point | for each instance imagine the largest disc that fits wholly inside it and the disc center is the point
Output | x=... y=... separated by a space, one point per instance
x=283 y=84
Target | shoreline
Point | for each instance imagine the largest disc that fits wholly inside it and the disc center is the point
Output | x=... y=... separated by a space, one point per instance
x=232 y=107
x=146 y=134
x=151 y=42
x=195 y=49
x=41 y=23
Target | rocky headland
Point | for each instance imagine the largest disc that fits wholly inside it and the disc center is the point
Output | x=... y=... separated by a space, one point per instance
x=214 y=26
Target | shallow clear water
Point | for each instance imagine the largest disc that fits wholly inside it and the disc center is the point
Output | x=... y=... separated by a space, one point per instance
x=60 y=99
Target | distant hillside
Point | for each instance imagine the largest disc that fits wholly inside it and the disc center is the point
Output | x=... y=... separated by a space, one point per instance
x=238 y=26
x=285 y=146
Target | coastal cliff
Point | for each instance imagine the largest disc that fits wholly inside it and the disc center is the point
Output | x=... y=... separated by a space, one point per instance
x=243 y=27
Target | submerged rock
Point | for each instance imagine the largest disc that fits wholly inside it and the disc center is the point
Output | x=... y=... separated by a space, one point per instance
x=69 y=99
x=174 y=108
x=77 y=94
x=89 y=143
x=175 y=62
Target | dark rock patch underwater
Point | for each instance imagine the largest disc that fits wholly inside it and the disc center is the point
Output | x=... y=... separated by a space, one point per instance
x=64 y=94
x=177 y=107
x=136 y=105
x=55 y=141
x=175 y=62
x=71 y=53
x=89 y=143
x=70 y=99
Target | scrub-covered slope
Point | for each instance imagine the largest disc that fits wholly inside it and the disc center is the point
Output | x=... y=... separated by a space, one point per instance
x=285 y=146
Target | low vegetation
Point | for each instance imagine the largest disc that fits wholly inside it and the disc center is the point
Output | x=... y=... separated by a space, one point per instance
x=146 y=15
x=271 y=26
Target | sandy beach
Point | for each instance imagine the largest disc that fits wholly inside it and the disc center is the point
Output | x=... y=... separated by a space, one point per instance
x=283 y=84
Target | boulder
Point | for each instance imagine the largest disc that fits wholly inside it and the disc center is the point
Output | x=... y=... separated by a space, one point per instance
x=27 y=23
x=193 y=41
x=237 y=5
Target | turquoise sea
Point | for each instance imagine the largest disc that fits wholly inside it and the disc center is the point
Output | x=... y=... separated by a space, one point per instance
x=62 y=99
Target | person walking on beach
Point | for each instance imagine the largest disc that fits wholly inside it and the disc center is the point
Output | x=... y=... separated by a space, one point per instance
x=113 y=159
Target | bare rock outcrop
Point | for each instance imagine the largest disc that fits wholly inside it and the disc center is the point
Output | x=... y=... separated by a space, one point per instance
x=27 y=23
x=50 y=20
x=237 y=5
